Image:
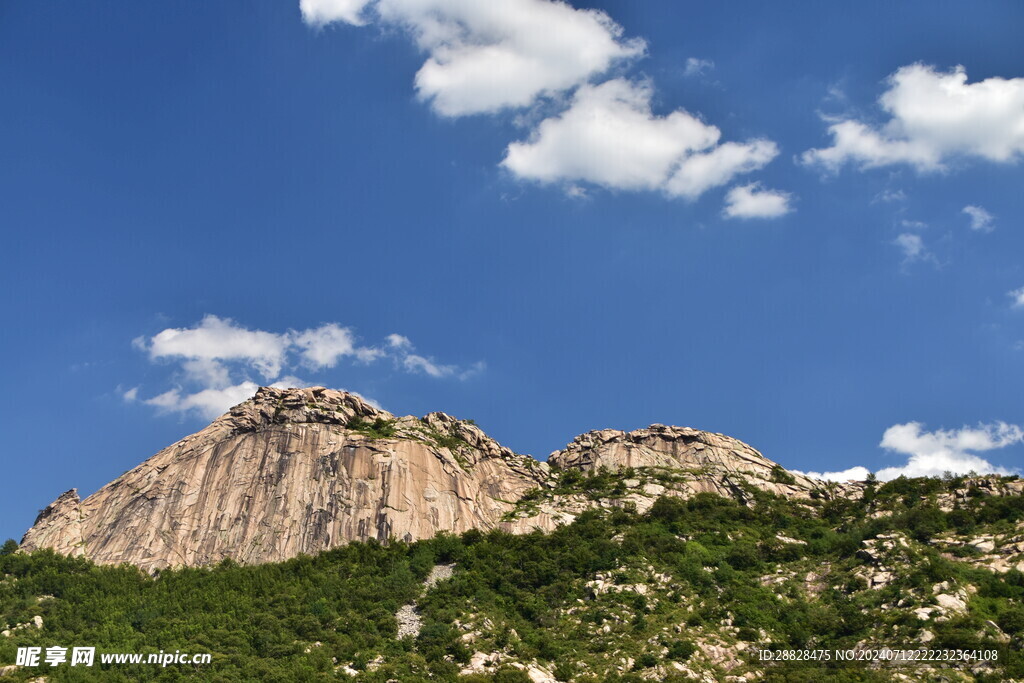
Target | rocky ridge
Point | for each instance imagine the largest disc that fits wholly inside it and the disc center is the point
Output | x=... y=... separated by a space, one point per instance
x=293 y=471
x=290 y=472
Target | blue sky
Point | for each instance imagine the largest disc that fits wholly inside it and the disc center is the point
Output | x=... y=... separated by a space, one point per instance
x=799 y=226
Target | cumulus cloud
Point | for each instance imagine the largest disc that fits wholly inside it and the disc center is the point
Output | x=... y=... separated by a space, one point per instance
x=981 y=220
x=857 y=473
x=323 y=346
x=933 y=454
x=216 y=357
x=216 y=339
x=750 y=201
x=935 y=117
x=208 y=403
x=701 y=172
x=947 y=450
x=323 y=12
x=397 y=341
x=610 y=137
x=1018 y=297
x=483 y=57
x=487 y=57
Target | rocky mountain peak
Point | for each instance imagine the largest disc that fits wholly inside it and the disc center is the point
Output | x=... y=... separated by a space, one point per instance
x=319 y=405
x=294 y=471
x=662 y=446
x=701 y=461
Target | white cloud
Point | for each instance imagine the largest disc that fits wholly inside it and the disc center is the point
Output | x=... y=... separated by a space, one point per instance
x=750 y=201
x=933 y=453
x=216 y=355
x=206 y=371
x=208 y=403
x=935 y=117
x=697 y=67
x=701 y=172
x=487 y=56
x=405 y=357
x=610 y=137
x=397 y=341
x=857 y=473
x=913 y=225
x=913 y=247
x=216 y=339
x=416 y=363
x=323 y=12
x=323 y=346
x=981 y=220
x=1018 y=297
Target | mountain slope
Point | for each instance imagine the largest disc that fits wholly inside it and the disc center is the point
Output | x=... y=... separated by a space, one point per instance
x=694 y=589
x=289 y=472
x=295 y=471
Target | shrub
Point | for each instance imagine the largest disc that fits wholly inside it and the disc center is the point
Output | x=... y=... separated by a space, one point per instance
x=681 y=650
x=781 y=476
x=378 y=429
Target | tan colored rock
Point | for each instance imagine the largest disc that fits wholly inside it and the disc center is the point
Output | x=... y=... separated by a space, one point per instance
x=282 y=474
x=295 y=471
x=709 y=462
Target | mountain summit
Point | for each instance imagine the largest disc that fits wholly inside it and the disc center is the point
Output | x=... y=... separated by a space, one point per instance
x=293 y=471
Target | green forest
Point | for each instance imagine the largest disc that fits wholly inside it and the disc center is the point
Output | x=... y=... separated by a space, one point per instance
x=712 y=570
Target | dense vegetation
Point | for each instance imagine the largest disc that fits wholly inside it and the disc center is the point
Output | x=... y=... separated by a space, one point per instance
x=773 y=574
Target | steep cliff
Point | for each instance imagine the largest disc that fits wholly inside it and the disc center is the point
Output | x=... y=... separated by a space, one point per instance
x=295 y=471
x=288 y=472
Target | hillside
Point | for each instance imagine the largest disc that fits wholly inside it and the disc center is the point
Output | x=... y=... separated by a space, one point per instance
x=690 y=589
x=308 y=535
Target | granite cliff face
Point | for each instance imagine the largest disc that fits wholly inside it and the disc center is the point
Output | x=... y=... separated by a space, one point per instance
x=716 y=463
x=304 y=470
x=289 y=472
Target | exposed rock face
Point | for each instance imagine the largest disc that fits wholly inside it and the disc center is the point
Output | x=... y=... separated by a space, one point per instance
x=295 y=471
x=703 y=461
x=286 y=473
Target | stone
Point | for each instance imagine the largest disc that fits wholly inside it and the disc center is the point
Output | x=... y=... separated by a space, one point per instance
x=409 y=622
x=951 y=603
x=787 y=539
x=300 y=471
x=282 y=474
x=714 y=463
x=985 y=544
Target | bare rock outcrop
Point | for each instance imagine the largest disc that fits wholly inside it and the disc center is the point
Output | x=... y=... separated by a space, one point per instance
x=289 y=472
x=295 y=471
x=701 y=461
